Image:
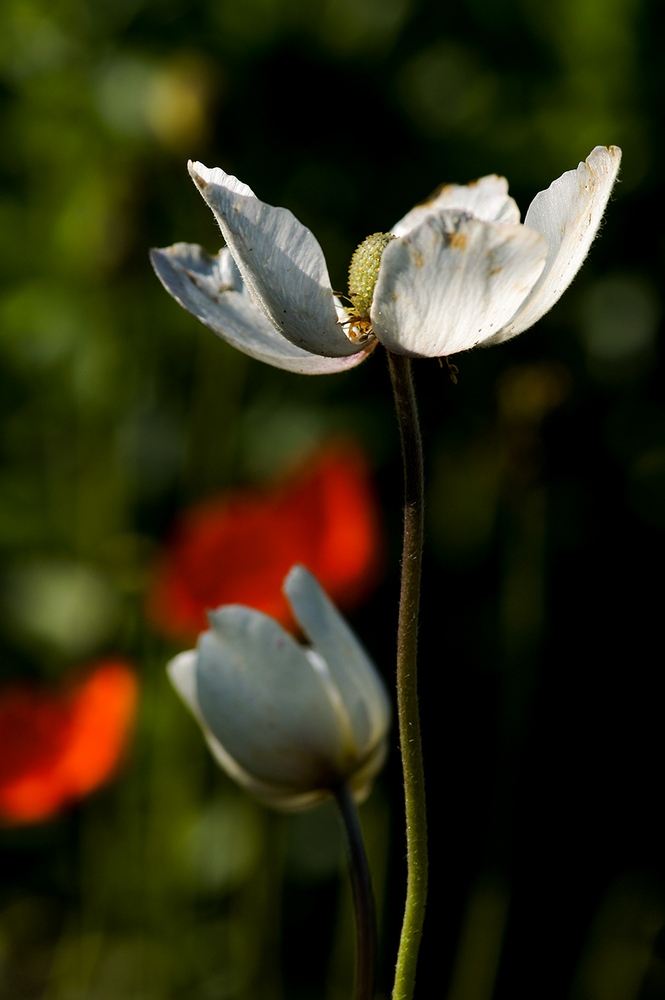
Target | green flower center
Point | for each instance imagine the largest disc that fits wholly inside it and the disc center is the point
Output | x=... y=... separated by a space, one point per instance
x=364 y=271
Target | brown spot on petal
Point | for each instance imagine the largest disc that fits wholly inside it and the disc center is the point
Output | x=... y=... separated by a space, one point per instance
x=458 y=241
x=417 y=258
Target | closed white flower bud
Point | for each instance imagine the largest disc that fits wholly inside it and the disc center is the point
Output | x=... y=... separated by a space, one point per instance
x=288 y=722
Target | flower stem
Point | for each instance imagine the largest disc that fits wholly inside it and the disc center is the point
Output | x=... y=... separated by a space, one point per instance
x=363 y=897
x=407 y=678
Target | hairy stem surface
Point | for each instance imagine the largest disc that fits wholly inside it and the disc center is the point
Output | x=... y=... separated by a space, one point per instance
x=407 y=678
x=363 y=897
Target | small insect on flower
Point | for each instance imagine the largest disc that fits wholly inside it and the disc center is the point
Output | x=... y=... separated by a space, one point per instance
x=457 y=271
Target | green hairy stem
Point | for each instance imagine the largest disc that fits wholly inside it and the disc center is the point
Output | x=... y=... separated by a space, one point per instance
x=407 y=685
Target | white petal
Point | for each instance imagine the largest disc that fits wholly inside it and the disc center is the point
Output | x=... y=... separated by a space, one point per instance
x=568 y=213
x=486 y=198
x=361 y=781
x=357 y=679
x=212 y=289
x=280 y=261
x=265 y=704
x=453 y=282
x=182 y=673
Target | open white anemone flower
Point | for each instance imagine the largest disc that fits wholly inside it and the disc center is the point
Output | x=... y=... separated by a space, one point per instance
x=287 y=722
x=457 y=271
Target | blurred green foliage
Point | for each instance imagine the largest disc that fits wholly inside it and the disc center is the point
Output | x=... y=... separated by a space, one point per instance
x=546 y=485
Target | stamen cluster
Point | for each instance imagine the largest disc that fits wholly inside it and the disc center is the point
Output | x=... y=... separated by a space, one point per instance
x=364 y=271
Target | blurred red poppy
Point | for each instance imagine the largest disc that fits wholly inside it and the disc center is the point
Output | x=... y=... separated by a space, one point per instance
x=237 y=548
x=56 y=748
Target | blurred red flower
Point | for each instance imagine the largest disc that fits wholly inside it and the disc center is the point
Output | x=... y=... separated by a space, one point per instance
x=58 y=747
x=238 y=547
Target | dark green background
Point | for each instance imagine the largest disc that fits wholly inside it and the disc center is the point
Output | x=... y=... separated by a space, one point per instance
x=542 y=617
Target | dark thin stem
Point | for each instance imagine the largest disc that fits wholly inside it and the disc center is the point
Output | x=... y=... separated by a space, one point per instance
x=363 y=897
x=407 y=679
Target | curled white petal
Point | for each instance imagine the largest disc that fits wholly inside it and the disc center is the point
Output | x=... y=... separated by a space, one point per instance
x=267 y=706
x=280 y=261
x=276 y=711
x=486 y=198
x=287 y=722
x=568 y=214
x=360 y=687
x=182 y=673
x=212 y=290
x=453 y=282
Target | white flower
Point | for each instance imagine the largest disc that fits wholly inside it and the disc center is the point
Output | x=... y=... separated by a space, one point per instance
x=460 y=271
x=287 y=722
